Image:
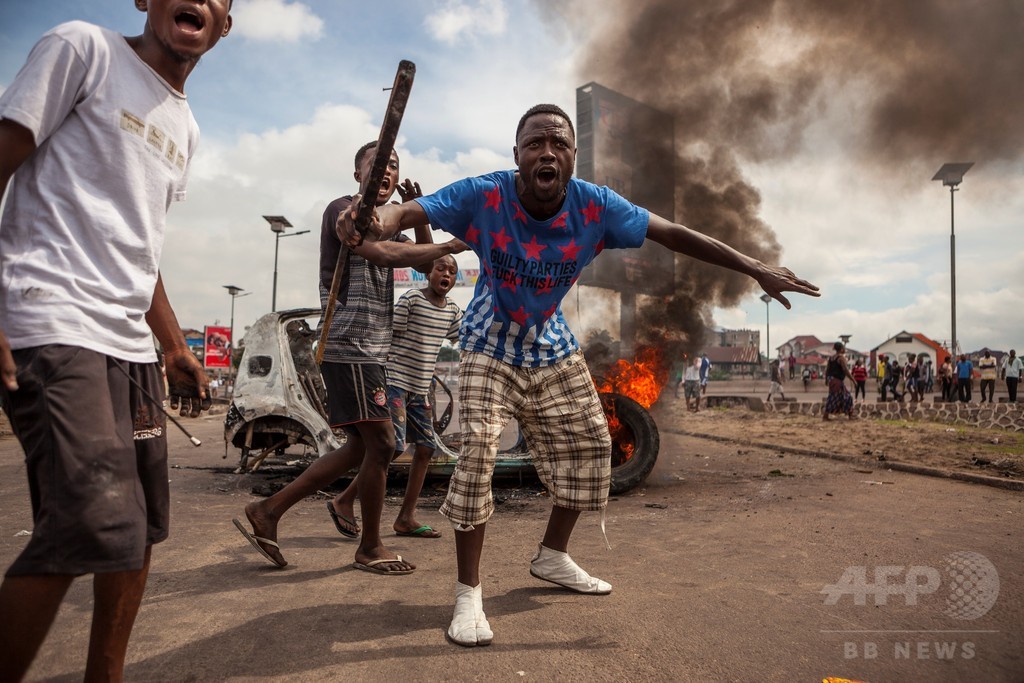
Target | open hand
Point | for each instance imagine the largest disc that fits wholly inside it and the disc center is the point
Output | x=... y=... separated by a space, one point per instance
x=775 y=279
x=408 y=190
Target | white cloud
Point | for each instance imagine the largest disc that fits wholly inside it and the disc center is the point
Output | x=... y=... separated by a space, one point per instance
x=459 y=19
x=276 y=21
x=219 y=236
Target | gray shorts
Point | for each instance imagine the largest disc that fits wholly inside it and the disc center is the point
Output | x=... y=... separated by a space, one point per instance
x=96 y=457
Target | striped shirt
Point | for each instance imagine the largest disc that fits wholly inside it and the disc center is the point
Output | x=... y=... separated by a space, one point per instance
x=361 y=326
x=419 y=328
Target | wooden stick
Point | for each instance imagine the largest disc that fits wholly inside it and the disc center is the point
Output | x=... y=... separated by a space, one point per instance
x=381 y=158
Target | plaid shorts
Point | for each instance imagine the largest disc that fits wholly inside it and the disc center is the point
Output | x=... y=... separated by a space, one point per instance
x=561 y=418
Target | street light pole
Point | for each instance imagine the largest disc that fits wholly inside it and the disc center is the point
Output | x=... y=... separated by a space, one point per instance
x=952 y=175
x=278 y=224
x=235 y=292
x=767 y=328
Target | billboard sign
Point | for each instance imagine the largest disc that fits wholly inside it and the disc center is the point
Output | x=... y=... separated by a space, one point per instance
x=409 y=278
x=217 y=353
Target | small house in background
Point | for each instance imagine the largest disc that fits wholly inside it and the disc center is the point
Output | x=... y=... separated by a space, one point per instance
x=905 y=344
x=799 y=346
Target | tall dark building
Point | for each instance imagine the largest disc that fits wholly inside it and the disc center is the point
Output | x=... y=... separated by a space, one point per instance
x=630 y=147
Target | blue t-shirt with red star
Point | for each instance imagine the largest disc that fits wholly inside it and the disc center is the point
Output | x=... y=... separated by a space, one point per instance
x=527 y=266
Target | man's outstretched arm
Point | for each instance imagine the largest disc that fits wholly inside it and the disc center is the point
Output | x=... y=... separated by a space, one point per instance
x=773 y=279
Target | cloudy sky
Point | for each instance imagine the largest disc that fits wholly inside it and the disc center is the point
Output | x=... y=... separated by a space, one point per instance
x=287 y=98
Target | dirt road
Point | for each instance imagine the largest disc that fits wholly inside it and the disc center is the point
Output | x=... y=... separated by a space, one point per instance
x=718 y=564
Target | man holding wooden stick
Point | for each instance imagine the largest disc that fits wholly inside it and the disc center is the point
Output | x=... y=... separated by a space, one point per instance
x=353 y=369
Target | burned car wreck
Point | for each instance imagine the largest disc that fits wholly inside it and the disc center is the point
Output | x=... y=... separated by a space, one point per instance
x=279 y=401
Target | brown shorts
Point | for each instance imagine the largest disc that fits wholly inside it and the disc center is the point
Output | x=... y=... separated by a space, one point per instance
x=356 y=392
x=96 y=457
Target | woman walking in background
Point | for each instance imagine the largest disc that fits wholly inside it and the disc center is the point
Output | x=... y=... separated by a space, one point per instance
x=839 y=399
x=860 y=379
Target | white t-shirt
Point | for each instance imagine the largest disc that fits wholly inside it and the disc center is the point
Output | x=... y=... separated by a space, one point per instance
x=83 y=226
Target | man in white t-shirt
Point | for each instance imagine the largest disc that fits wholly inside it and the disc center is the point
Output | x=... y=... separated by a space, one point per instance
x=96 y=137
x=1012 y=369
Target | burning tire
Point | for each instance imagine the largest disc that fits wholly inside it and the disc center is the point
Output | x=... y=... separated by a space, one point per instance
x=635 y=441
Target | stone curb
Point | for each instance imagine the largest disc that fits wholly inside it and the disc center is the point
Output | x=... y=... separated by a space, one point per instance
x=1006 y=416
x=1009 y=484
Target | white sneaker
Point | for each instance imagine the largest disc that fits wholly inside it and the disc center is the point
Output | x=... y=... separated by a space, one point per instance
x=469 y=626
x=558 y=568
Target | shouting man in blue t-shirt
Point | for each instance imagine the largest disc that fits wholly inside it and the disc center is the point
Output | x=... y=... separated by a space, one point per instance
x=535 y=229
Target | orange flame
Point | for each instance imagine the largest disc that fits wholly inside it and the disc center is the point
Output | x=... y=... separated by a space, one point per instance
x=642 y=380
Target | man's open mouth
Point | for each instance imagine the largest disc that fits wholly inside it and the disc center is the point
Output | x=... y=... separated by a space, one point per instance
x=547 y=174
x=189 y=20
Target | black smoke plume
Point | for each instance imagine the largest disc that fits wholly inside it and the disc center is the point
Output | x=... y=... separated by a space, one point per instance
x=906 y=85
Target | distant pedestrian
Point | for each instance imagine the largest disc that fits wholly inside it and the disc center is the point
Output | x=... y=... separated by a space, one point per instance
x=893 y=375
x=987 y=367
x=860 y=378
x=912 y=377
x=682 y=373
x=777 y=379
x=839 y=399
x=705 y=371
x=964 y=370
x=946 y=378
x=691 y=385
x=806 y=376
x=1012 y=369
x=882 y=376
x=791 y=361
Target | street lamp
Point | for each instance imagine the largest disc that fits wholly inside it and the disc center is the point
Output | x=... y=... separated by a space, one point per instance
x=768 y=328
x=951 y=175
x=278 y=224
x=235 y=292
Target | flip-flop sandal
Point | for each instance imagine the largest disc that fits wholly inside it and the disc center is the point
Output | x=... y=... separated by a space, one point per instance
x=371 y=567
x=338 y=519
x=424 y=531
x=256 y=540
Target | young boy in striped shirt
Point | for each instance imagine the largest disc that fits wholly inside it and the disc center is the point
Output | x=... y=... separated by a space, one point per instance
x=423 y=319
